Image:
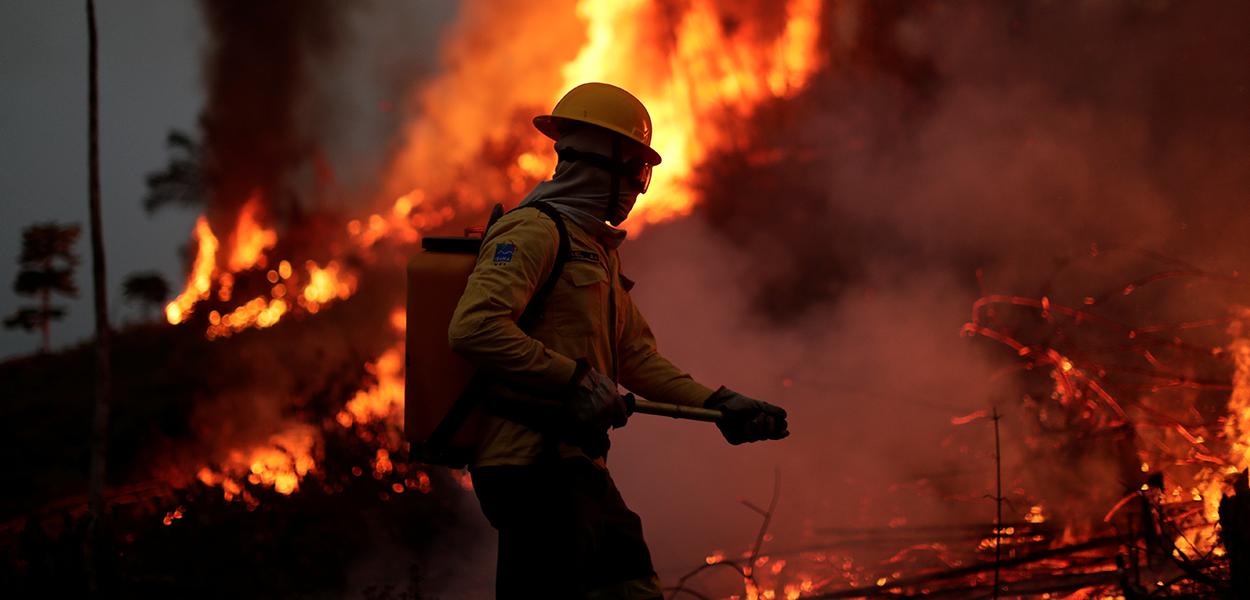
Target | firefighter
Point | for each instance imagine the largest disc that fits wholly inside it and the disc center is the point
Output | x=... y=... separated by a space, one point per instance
x=540 y=473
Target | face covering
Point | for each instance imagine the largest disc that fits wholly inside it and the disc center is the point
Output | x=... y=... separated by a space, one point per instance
x=582 y=192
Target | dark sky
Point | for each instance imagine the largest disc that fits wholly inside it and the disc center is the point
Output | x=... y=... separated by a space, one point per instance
x=149 y=83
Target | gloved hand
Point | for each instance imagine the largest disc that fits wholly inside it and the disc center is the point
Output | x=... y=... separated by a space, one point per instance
x=747 y=419
x=594 y=401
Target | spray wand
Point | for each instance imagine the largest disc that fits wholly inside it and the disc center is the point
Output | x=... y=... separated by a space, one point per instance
x=676 y=411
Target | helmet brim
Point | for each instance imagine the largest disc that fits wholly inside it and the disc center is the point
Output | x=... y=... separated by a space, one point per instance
x=555 y=127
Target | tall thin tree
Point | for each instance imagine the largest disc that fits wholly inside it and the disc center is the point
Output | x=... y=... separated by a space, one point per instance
x=99 y=422
x=47 y=267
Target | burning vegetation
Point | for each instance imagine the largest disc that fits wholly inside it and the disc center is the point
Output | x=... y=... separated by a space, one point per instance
x=845 y=150
x=717 y=71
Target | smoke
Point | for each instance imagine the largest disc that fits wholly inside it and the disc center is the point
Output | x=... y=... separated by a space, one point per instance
x=300 y=105
x=949 y=149
x=945 y=151
x=304 y=98
x=257 y=70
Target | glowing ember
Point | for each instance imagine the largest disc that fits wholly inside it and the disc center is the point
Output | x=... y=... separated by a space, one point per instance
x=173 y=515
x=409 y=216
x=326 y=284
x=258 y=312
x=280 y=464
x=382 y=463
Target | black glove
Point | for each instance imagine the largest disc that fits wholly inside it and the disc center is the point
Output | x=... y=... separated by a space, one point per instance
x=747 y=419
x=594 y=401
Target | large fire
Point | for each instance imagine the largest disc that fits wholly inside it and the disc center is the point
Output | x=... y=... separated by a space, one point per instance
x=714 y=70
x=712 y=75
x=711 y=70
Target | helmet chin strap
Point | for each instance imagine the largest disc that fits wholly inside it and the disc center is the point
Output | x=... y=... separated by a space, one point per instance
x=613 y=165
x=615 y=198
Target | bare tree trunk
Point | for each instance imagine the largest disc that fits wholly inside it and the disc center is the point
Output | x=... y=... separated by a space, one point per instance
x=45 y=322
x=99 y=423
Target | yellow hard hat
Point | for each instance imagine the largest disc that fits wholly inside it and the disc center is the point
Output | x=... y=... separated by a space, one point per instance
x=606 y=106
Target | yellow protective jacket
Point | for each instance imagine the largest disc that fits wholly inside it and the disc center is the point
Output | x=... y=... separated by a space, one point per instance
x=589 y=315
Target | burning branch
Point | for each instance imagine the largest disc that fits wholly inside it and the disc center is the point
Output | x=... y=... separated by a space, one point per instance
x=747 y=571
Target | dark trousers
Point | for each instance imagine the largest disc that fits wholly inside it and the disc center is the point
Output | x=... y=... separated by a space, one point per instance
x=564 y=530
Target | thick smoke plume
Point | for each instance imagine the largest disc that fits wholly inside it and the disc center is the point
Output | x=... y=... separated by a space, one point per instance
x=948 y=150
x=259 y=68
x=945 y=151
x=304 y=98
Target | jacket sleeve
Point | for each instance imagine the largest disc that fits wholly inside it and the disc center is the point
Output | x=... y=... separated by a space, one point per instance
x=646 y=372
x=516 y=258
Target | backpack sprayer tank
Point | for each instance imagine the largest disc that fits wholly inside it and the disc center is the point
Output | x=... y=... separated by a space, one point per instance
x=441 y=420
x=435 y=376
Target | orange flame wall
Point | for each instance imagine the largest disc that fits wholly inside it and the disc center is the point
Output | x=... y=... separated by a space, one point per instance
x=698 y=66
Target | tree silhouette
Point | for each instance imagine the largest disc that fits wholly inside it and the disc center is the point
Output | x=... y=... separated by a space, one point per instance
x=148 y=289
x=98 y=439
x=47 y=267
x=182 y=181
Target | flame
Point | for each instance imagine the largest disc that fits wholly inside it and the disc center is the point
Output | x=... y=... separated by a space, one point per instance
x=713 y=74
x=326 y=284
x=279 y=465
x=249 y=242
x=384 y=400
x=1214 y=482
x=287 y=457
x=1237 y=426
x=704 y=75
x=408 y=216
x=708 y=68
x=250 y=239
x=200 y=281
x=258 y=312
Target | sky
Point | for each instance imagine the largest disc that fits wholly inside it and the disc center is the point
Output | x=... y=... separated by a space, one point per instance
x=149 y=84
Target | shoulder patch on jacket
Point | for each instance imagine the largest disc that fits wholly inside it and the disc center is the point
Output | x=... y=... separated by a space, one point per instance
x=584 y=255
x=504 y=252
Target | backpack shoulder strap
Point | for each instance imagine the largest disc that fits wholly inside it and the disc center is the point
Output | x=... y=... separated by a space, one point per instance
x=437 y=449
x=534 y=310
